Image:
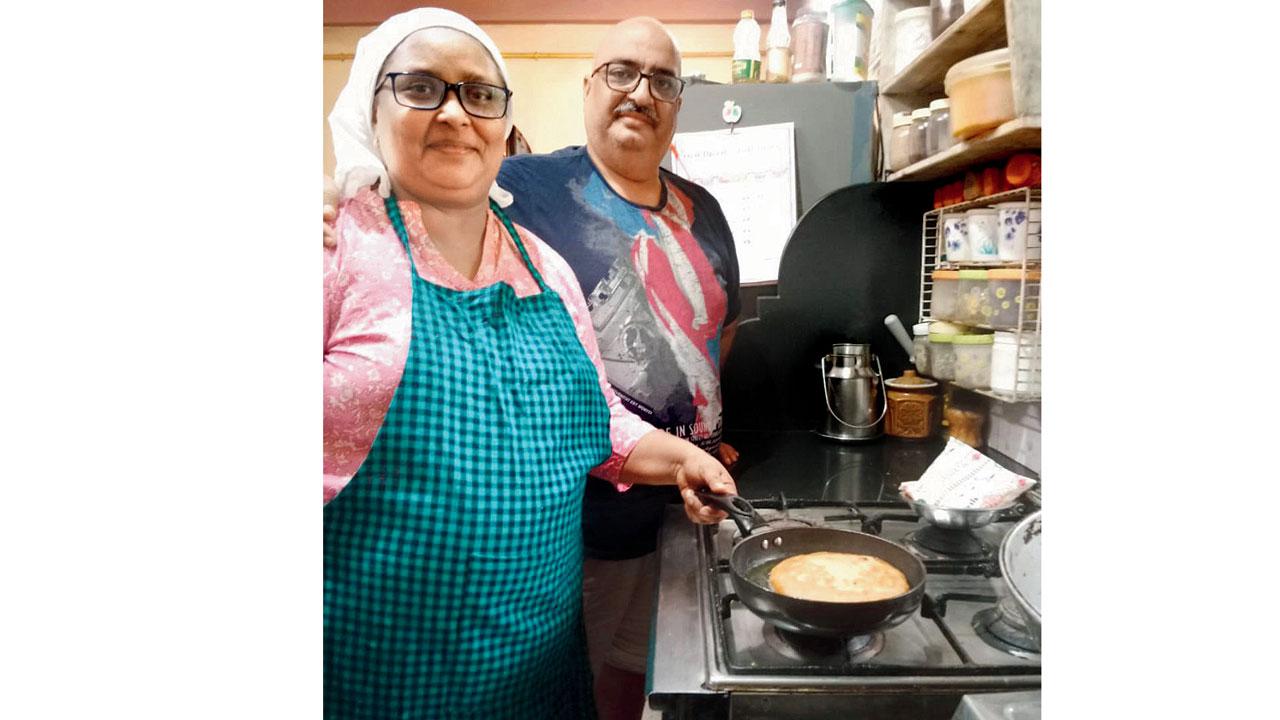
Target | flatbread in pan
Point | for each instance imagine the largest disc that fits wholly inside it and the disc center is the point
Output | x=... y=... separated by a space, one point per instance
x=837 y=577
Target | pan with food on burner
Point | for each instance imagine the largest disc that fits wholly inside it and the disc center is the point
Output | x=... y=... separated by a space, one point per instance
x=820 y=581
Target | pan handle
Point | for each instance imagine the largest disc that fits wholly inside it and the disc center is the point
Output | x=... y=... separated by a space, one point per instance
x=742 y=512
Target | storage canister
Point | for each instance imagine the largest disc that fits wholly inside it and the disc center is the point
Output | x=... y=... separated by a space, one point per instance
x=809 y=47
x=1014 y=219
x=942 y=13
x=1015 y=368
x=946 y=293
x=982 y=226
x=920 y=347
x=981 y=93
x=940 y=137
x=919 y=134
x=973 y=305
x=850 y=40
x=911 y=35
x=900 y=141
x=942 y=356
x=915 y=409
x=973 y=360
x=1005 y=290
x=955 y=236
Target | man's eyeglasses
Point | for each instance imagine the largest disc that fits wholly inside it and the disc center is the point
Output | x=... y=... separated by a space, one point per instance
x=427 y=92
x=624 y=78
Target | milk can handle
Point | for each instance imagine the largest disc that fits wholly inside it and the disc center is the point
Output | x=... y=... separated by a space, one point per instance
x=884 y=400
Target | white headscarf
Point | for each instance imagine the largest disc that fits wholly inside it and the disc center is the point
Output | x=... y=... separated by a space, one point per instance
x=358 y=162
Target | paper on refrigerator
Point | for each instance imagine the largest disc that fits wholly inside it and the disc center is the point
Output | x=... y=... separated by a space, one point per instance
x=751 y=172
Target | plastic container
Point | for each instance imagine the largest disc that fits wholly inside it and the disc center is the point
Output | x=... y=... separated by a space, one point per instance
x=920 y=347
x=939 y=137
x=1012 y=374
x=946 y=294
x=942 y=356
x=777 y=57
x=900 y=141
x=1014 y=219
x=911 y=35
x=919 y=134
x=942 y=13
x=973 y=360
x=914 y=406
x=973 y=305
x=746 y=49
x=955 y=236
x=965 y=425
x=983 y=225
x=850 y=40
x=1005 y=289
x=809 y=47
x=981 y=93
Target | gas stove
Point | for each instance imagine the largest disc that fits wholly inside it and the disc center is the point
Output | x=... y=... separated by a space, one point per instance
x=713 y=657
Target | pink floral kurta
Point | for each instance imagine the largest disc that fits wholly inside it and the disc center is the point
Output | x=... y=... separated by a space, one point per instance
x=367 y=314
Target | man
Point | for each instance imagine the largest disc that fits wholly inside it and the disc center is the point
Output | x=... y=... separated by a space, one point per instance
x=656 y=261
x=657 y=264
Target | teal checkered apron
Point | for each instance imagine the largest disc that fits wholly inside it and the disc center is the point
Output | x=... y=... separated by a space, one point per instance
x=453 y=559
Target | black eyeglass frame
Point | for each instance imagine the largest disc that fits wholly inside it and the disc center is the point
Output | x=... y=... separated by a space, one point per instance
x=455 y=87
x=640 y=74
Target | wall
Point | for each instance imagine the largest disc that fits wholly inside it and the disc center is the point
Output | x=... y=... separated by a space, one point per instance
x=547 y=64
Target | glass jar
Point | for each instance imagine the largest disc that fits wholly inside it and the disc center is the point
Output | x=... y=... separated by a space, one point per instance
x=973 y=360
x=973 y=306
x=1004 y=293
x=900 y=141
x=919 y=134
x=939 y=137
x=942 y=13
x=920 y=347
x=809 y=47
x=946 y=294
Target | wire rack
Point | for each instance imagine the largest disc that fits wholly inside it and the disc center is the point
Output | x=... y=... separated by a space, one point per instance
x=1026 y=328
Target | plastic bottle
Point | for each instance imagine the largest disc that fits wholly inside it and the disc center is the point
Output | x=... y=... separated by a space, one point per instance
x=777 y=64
x=746 y=49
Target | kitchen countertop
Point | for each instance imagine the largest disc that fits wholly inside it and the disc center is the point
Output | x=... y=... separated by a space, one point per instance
x=803 y=465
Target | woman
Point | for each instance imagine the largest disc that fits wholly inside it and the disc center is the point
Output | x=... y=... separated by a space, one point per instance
x=465 y=403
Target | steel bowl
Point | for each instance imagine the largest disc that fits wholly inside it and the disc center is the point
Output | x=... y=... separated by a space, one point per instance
x=1020 y=568
x=960 y=518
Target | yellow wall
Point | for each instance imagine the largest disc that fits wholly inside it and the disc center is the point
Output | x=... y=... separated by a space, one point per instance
x=548 y=91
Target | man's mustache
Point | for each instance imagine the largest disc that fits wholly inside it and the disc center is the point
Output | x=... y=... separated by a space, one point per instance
x=631 y=106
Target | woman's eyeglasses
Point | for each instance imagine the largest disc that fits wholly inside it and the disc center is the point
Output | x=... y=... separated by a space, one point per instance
x=624 y=78
x=427 y=92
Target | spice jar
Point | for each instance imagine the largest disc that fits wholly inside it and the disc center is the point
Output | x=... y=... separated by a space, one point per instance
x=915 y=408
x=900 y=141
x=939 y=137
x=920 y=347
x=809 y=47
x=919 y=134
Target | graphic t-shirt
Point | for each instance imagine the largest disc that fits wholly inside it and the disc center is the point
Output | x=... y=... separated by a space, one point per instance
x=661 y=283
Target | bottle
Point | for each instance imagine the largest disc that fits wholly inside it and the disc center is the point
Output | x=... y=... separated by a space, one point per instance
x=746 y=49
x=777 y=64
x=809 y=55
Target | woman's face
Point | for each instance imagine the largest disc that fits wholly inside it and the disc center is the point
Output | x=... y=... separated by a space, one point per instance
x=443 y=157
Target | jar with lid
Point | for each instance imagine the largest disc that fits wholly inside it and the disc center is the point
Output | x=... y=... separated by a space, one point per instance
x=946 y=293
x=973 y=305
x=1019 y=224
x=914 y=406
x=1015 y=363
x=911 y=35
x=955 y=236
x=973 y=360
x=939 y=137
x=919 y=134
x=965 y=425
x=920 y=347
x=942 y=13
x=809 y=47
x=850 y=40
x=983 y=234
x=900 y=141
x=942 y=355
x=1006 y=287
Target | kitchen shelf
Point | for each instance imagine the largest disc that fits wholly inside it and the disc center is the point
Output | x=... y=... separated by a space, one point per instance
x=1016 y=135
x=979 y=30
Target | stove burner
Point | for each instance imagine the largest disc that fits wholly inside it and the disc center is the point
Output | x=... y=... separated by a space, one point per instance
x=826 y=650
x=1003 y=628
x=955 y=543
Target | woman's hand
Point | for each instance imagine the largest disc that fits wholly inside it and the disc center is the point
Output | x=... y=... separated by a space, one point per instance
x=703 y=471
x=728 y=455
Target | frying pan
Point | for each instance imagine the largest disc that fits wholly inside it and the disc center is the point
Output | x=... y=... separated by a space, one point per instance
x=757 y=552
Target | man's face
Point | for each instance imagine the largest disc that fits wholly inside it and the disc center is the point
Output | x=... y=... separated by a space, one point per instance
x=632 y=121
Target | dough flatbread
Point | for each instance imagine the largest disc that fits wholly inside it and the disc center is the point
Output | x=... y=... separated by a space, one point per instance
x=837 y=577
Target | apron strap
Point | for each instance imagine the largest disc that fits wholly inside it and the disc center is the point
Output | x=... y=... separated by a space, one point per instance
x=397 y=222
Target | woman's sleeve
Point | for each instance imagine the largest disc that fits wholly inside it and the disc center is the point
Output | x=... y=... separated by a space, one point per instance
x=625 y=428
